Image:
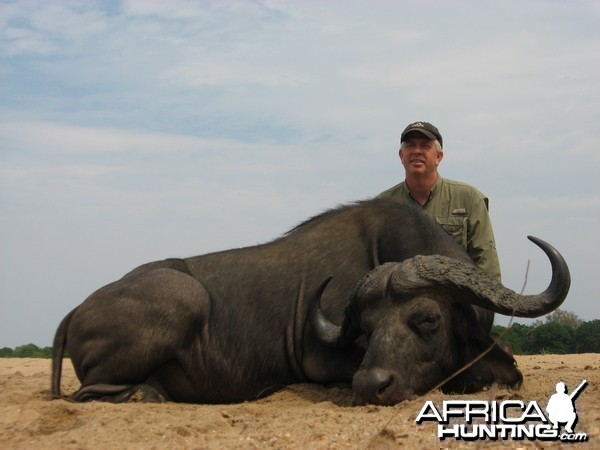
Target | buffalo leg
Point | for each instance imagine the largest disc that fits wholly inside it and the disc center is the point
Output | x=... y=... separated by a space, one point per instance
x=125 y=336
x=119 y=394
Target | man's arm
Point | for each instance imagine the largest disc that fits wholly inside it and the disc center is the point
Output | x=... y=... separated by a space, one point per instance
x=481 y=244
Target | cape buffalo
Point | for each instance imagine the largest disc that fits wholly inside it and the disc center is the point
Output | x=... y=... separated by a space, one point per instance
x=236 y=325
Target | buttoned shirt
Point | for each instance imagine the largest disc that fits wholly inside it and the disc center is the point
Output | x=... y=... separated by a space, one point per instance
x=462 y=211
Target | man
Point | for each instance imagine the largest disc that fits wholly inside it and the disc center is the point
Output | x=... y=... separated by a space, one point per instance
x=458 y=207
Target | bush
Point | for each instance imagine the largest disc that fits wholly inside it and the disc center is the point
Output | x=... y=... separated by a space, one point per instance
x=513 y=336
x=550 y=337
x=587 y=337
x=26 y=351
x=561 y=332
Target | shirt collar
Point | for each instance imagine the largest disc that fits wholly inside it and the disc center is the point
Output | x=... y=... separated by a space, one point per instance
x=432 y=193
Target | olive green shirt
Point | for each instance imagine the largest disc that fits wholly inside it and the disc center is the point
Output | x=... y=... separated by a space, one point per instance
x=463 y=212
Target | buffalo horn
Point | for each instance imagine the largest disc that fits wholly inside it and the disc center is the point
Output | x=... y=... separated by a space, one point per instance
x=327 y=332
x=465 y=282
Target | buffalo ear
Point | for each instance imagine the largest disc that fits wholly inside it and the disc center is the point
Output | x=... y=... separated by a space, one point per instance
x=497 y=367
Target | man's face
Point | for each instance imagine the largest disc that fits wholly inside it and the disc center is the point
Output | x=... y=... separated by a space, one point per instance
x=419 y=155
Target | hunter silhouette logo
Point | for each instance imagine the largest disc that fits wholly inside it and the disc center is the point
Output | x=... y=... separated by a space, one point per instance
x=470 y=420
x=561 y=406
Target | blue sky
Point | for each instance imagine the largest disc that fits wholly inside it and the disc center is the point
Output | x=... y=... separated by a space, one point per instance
x=140 y=130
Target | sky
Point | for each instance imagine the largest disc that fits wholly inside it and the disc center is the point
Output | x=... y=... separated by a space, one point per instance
x=132 y=131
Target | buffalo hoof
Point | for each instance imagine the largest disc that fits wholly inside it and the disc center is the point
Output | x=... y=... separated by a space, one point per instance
x=142 y=393
x=118 y=394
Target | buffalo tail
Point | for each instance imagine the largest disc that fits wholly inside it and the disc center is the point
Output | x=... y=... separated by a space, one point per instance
x=58 y=350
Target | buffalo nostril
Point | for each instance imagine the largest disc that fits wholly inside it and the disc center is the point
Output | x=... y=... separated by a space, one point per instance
x=385 y=383
x=374 y=385
x=382 y=381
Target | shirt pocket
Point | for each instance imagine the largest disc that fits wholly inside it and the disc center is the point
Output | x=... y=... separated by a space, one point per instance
x=455 y=226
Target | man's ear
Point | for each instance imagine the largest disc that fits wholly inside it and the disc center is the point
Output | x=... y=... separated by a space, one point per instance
x=497 y=366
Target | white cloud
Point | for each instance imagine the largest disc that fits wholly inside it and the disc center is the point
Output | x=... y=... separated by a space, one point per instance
x=215 y=71
x=178 y=9
x=59 y=138
x=11 y=173
x=31 y=27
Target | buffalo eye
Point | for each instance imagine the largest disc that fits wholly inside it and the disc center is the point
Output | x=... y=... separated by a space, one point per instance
x=426 y=323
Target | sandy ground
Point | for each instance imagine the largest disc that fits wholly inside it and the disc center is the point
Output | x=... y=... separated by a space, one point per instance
x=300 y=416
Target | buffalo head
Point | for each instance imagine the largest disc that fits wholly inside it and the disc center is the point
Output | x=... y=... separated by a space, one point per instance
x=418 y=323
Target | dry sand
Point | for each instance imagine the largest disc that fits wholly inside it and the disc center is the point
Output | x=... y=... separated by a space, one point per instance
x=300 y=416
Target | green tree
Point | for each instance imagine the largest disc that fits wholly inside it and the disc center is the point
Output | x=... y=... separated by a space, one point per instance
x=551 y=337
x=515 y=336
x=26 y=351
x=520 y=334
x=32 y=351
x=587 y=337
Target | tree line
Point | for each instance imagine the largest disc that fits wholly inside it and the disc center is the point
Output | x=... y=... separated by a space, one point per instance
x=561 y=332
x=26 y=351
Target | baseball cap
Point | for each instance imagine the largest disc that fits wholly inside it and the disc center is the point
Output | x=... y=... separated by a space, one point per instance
x=425 y=128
